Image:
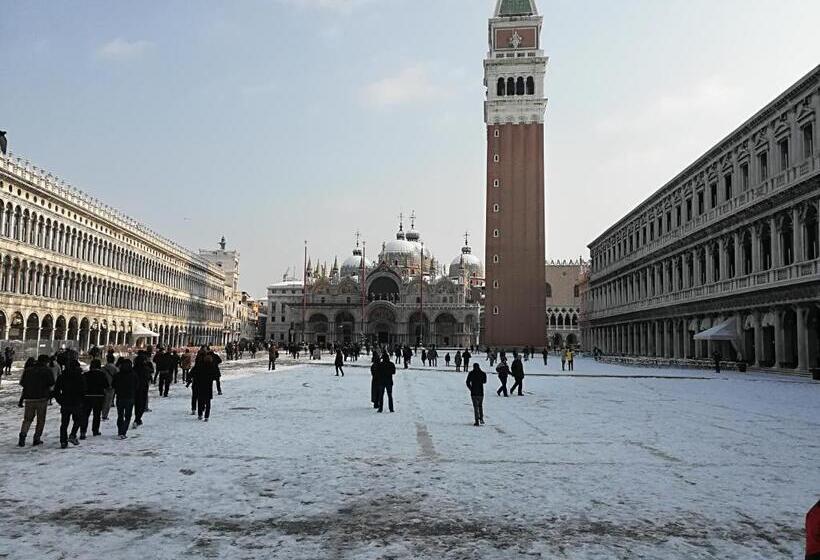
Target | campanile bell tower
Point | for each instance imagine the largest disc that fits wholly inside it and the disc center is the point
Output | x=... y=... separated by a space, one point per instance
x=515 y=241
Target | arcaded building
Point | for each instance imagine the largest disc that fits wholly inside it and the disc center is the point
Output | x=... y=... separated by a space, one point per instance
x=75 y=272
x=726 y=251
x=401 y=296
x=564 y=278
x=514 y=71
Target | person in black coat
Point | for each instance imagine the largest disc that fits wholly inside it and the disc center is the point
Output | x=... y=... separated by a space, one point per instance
x=125 y=387
x=165 y=371
x=37 y=383
x=204 y=373
x=144 y=370
x=96 y=384
x=475 y=383
x=465 y=357
x=386 y=370
x=518 y=375
x=503 y=370
x=339 y=363
x=69 y=392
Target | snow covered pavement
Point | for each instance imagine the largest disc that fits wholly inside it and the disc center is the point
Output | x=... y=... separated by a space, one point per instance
x=297 y=465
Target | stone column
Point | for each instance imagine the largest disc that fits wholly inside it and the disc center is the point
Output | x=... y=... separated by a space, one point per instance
x=687 y=349
x=802 y=313
x=659 y=347
x=723 y=263
x=776 y=260
x=756 y=264
x=797 y=235
x=695 y=268
x=778 y=338
x=758 y=327
x=710 y=270
x=738 y=254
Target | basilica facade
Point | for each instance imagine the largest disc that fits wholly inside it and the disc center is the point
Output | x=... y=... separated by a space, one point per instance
x=402 y=296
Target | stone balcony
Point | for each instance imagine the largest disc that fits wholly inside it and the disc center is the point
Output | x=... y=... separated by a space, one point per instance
x=793 y=274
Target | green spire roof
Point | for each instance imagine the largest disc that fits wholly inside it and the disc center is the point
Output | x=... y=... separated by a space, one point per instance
x=516 y=8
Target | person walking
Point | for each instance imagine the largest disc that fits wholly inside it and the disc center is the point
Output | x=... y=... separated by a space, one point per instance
x=503 y=371
x=69 y=392
x=125 y=387
x=204 y=374
x=36 y=383
x=571 y=359
x=465 y=356
x=386 y=371
x=717 y=358
x=144 y=371
x=110 y=371
x=185 y=362
x=476 y=380
x=96 y=384
x=273 y=355
x=447 y=360
x=30 y=363
x=165 y=368
x=375 y=389
x=9 y=358
x=563 y=360
x=545 y=353
x=458 y=360
x=339 y=362
x=175 y=360
x=518 y=374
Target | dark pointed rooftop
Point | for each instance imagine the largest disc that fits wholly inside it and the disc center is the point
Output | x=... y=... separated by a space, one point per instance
x=509 y=8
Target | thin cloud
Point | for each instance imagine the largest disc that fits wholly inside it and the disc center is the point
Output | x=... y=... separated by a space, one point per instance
x=410 y=85
x=338 y=5
x=120 y=49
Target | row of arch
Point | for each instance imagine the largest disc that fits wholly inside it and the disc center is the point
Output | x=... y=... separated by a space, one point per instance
x=778 y=241
x=515 y=86
x=85 y=332
x=27 y=226
x=28 y=277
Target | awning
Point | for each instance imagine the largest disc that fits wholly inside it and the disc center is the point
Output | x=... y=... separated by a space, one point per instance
x=727 y=330
x=138 y=331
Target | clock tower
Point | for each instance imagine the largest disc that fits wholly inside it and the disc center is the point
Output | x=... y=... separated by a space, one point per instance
x=514 y=70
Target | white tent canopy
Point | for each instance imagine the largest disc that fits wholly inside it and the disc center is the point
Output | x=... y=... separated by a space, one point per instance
x=727 y=330
x=138 y=331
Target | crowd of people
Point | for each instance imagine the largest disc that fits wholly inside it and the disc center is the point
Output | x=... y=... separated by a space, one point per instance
x=87 y=396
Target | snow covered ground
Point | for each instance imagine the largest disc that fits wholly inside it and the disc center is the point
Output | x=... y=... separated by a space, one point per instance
x=297 y=465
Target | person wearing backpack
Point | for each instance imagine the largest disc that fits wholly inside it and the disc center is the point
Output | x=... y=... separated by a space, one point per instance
x=503 y=371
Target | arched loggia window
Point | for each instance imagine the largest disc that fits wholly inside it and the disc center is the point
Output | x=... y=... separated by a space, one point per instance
x=519 y=86
x=500 y=88
x=530 y=86
x=510 y=86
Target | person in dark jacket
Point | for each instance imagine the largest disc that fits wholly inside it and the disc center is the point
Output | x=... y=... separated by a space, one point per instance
x=37 y=383
x=475 y=383
x=175 y=361
x=125 y=388
x=96 y=384
x=813 y=533
x=204 y=374
x=503 y=370
x=546 y=355
x=69 y=392
x=339 y=363
x=717 y=357
x=110 y=370
x=375 y=389
x=144 y=370
x=165 y=371
x=518 y=375
x=30 y=363
x=465 y=357
x=217 y=373
x=386 y=371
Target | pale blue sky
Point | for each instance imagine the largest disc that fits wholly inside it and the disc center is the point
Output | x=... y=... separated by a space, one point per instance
x=274 y=121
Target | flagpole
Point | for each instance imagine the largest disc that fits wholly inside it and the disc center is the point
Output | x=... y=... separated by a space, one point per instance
x=363 y=279
x=304 y=292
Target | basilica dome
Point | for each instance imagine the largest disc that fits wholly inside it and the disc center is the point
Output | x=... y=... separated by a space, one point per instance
x=466 y=264
x=352 y=265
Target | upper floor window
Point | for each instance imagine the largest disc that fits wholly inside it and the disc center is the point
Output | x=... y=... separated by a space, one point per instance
x=688 y=209
x=808 y=141
x=678 y=215
x=727 y=187
x=763 y=163
x=713 y=197
x=497 y=133
x=500 y=88
x=744 y=176
x=784 y=154
x=496 y=158
x=530 y=86
x=668 y=221
x=701 y=203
